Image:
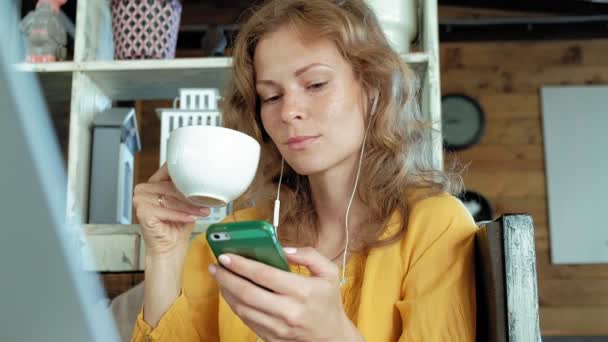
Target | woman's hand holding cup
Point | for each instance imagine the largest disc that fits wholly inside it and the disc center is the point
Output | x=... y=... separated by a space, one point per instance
x=166 y=217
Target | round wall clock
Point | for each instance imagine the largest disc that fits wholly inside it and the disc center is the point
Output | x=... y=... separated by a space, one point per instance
x=463 y=122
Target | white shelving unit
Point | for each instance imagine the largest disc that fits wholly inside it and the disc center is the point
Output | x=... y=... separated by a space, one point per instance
x=93 y=80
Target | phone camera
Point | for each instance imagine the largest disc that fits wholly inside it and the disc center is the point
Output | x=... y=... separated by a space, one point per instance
x=216 y=236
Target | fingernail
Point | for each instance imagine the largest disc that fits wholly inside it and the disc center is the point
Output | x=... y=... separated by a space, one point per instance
x=224 y=259
x=290 y=250
x=212 y=269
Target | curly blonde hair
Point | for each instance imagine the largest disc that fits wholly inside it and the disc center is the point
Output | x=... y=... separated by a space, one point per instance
x=397 y=160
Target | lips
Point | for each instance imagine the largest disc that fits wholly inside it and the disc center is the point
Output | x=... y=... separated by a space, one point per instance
x=301 y=142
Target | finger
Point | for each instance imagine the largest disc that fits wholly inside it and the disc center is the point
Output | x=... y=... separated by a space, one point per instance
x=269 y=277
x=150 y=215
x=251 y=294
x=264 y=325
x=318 y=264
x=159 y=188
x=161 y=174
x=172 y=204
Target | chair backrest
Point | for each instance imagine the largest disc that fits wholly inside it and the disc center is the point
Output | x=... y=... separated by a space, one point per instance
x=507 y=297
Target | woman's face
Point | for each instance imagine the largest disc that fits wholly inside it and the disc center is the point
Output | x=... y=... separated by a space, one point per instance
x=311 y=102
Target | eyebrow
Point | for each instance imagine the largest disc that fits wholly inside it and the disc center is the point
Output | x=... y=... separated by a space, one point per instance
x=298 y=72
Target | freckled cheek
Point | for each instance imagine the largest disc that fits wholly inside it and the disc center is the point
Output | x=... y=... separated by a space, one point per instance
x=269 y=124
x=333 y=112
x=345 y=123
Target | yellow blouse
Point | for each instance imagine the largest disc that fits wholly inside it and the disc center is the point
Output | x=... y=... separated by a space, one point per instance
x=421 y=288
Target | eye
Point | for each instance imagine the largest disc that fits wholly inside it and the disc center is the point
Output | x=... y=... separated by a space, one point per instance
x=271 y=99
x=317 y=86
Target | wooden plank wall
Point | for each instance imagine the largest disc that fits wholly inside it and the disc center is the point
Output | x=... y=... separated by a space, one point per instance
x=508 y=165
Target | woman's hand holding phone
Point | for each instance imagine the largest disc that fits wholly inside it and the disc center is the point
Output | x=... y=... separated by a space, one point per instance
x=166 y=222
x=281 y=305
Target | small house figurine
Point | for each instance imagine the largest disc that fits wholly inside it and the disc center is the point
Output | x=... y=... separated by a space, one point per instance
x=45 y=35
x=193 y=107
x=115 y=140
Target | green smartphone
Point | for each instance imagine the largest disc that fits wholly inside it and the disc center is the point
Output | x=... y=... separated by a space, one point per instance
x=250 y=239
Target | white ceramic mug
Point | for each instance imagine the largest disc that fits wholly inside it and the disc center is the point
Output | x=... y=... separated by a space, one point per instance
x=211 y=165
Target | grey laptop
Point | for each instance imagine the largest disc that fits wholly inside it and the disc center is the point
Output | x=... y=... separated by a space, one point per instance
x=45 y=295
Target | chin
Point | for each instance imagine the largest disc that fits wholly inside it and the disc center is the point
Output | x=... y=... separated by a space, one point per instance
x=307 y=166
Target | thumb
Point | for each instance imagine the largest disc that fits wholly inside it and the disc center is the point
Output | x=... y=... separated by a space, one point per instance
x=160 y=175
x=317 y=264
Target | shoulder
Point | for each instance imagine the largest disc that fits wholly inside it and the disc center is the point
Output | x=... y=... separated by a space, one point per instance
x=443 y=206
x=441 y=223
x=433 y=215
x=440 y=214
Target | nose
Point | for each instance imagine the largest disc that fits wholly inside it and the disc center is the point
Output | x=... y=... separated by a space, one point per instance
x=292 y=108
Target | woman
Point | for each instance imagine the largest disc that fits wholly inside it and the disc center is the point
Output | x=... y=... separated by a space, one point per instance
x=316 y=83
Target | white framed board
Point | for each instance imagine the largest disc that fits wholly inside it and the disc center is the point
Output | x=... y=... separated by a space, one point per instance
x=575 y=128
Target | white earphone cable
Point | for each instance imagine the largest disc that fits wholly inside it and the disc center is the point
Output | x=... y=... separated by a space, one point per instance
x=352 y=196
x=277 y=202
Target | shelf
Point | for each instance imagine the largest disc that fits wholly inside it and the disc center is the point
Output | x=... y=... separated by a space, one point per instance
x=114 y=248
x=157 y=79
x=117 y=248
x=133 y=79
x=55 y=78
x=152 y=79
x=52 y=67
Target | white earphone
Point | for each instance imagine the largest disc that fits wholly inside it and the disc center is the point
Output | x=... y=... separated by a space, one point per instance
x=277 y=202
x=374 y=106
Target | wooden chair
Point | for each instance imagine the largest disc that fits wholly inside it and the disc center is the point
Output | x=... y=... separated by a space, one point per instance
x=507 y=298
